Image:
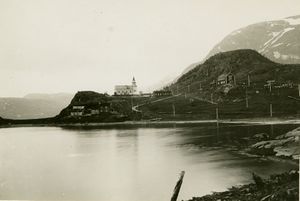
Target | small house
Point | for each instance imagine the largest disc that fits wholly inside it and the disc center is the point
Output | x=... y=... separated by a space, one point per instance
x=226 y=78
x=162 y=93
x=76 y=114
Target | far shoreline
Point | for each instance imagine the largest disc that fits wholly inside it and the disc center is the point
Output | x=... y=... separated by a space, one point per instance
x=250 y=121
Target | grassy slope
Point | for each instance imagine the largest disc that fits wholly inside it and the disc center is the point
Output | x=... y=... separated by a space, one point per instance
x=233 y=104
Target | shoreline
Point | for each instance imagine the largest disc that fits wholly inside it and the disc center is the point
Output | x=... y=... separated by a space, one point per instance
x=252 y=121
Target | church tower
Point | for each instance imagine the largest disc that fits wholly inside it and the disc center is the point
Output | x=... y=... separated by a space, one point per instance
x=134 y=86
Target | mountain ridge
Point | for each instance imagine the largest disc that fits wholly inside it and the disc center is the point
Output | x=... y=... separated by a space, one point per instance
x=34 y=106
x=250 y=37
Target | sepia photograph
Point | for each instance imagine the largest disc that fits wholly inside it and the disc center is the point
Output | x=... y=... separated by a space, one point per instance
x=150 y=100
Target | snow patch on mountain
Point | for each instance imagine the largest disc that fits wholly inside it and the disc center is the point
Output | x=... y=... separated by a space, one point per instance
x=276 y=37
x=236 y=32
x=293 y=21
x=278 y=44
x=277 y=55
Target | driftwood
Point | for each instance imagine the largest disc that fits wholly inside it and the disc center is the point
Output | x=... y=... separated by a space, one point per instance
x=177 y=187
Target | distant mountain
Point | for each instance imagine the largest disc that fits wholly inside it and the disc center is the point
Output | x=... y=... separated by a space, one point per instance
x=187 y=69
x=33 y=106
x=278 y=40
x=160 y=84
x=55 y=96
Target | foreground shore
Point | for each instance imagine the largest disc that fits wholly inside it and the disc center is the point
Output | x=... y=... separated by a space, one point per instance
x=281 y=187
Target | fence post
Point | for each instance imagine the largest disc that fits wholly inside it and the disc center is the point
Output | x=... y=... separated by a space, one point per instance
x=177 y=187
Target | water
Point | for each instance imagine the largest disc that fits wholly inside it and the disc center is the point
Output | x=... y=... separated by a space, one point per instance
x=125 y=164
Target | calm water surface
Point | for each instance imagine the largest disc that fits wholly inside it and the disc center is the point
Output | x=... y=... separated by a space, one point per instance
x=125 y=164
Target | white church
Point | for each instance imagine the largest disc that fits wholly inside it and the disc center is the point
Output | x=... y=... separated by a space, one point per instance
x=124 y=90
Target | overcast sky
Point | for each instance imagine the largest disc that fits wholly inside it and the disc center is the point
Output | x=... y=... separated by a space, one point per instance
x=54 y=46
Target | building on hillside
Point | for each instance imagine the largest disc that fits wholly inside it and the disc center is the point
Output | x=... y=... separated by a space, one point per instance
x=162 y=93
x=77 y=110
x=226 y=78
x=125 y=90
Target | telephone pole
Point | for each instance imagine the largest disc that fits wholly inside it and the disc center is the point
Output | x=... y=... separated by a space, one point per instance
x=270 y=82
x=247 y=102
x=174 y=112
x=249 y=81
x=271 y=110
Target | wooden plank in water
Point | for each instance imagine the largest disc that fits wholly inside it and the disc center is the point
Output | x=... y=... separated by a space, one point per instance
x=177 y=186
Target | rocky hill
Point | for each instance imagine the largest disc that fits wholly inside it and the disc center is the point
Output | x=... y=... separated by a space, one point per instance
x=238 y=78
x=240 y=63
x=89 y=106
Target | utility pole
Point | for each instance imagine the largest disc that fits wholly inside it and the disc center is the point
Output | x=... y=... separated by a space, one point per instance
x=131 y=103
x=249 y=82
x=299 y=89
x=247 y=103
x=271 y=110
x=270 y=90
x=217 y=113
x=270 y=84
x=174 y=112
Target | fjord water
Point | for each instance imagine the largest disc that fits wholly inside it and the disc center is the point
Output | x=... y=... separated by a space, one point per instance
x=52 y=163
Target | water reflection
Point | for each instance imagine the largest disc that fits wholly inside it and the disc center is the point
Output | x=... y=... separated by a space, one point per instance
x=126 y=164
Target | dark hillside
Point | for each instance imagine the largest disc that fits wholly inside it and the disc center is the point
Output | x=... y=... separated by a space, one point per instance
x=241 y=63
x=89 y=106
x=250 y=73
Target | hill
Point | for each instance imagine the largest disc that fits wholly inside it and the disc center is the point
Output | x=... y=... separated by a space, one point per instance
x=90 y=106
x=247 y=94
x=241 y=63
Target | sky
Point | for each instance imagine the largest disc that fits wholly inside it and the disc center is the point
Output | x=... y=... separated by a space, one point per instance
x=51 y=46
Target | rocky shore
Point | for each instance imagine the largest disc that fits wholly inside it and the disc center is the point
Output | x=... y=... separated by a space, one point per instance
x=285 y=146
x=282 y=187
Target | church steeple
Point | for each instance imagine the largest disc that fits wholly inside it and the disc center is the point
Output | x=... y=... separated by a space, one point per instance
x=133 y=82
x=134 y=86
